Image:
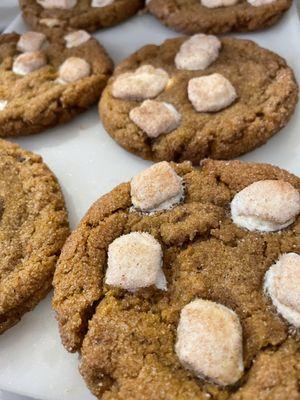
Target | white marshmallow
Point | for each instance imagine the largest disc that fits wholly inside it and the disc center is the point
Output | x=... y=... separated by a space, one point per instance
x=155 y=117
x=156 y=188
x=101 y=3
x=259 y=3
x=3 y=104
x=31 y=41
x=218 y=3
x=134 y=262
x=50 y=22
x=198 y=52
x=144 y=83
x=75 y=39
x=266 y=206
x=73 y=69
x=209 y=342
x=29 y=62
x=282 y=283
x=60 y=4
x=211 y=93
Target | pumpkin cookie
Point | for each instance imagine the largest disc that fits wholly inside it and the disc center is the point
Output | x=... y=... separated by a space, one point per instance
x=198 y=97
x=46 y=82
x=218 y=16
x=184 y=284
x=33 y=228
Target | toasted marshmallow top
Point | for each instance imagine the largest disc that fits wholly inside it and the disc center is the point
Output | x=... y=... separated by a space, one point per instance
x=259 y=3
x=282 y=283
x=101 y=3
x=3 y=104
x=75 y=39
x=209 y=342
x=50 y=22
x=156 y=188
x=134 y=262
x=29 y=62
x=266 y=206
x=73 y=69
x=198 y=52
x=211 y=93
x=31 y=41
x=144 y=83
x=60 y=4
x=218 y=3
x=155 y=117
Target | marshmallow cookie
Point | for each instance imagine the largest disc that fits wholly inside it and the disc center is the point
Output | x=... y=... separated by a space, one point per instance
x=46 y=82
x=183 y=284
x=218 y=16
x=33 y=228
x=196 y=97
x=50 y=16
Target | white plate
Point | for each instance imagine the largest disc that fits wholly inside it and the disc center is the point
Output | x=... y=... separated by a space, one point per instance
x=88 y=163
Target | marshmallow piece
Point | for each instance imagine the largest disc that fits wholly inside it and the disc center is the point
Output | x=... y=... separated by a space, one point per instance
x=144 y=83
x=134 y=262
x=101 y=3
x=50 y=22
x=218 y=3
x=155 y=117
x=3 y=104
x=29 y=62
x=211 y=93
x=266 y=206
x=259 y=3
x=31 y=41
x=209 y=342
x=198 y=52
x=73 y=69
x=75 y=39
x=282 y=283
x=60 y=4
x=156 y=188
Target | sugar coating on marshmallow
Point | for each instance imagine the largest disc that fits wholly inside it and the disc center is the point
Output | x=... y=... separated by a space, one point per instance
x=73 y=69
x=211 y=93
x=50 y=22
x=282 y=283
x=29 y=62
x=267 y=206
x=101 y=3
x=3 y=104
x=156 y=188
x=198 y=52
x=60 y=4
x=75 y=39
x=218 y=3
x=31 y=41
x=134 y=262
x=209 y=342
x=259 y=3
x=155 y=117
x=144 y=83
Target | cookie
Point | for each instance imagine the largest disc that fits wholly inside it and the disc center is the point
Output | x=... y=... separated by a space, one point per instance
x=168 y=292
x=198 y=97
x=33 y=228
x=59 y=15
x=45 y=82
x=218 y=16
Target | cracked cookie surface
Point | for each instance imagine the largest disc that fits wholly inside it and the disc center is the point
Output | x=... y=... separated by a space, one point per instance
x=267 y=96
x=33 y=229
x=126 y=340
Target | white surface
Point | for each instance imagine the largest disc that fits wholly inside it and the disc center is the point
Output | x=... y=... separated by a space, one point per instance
x=88 y=163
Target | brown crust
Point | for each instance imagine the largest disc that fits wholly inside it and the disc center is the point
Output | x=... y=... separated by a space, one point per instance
x=127 y=340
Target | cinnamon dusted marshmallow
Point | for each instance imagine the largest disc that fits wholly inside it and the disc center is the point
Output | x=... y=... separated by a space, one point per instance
x=259 y=3
x=157 y=188
x=211 y=93
x=29 y=62
x=3 y=104
x=144 y=83
x=50 y=22
x=209 y=342
x=282 y=283
x=218 y=3
x=155 y=117
x=101 y=3
x=134 y=262
x=75 y=39
x=198 y=52
x=31 y=41
x=60 y=4
x=266 y=206
x=73 y=69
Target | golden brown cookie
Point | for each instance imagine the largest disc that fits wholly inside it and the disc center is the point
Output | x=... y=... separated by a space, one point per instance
x=149 y=248
x=260 y=88
x=46 y=82
x=210 y=16
x=59 y=15
x=33 y=228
